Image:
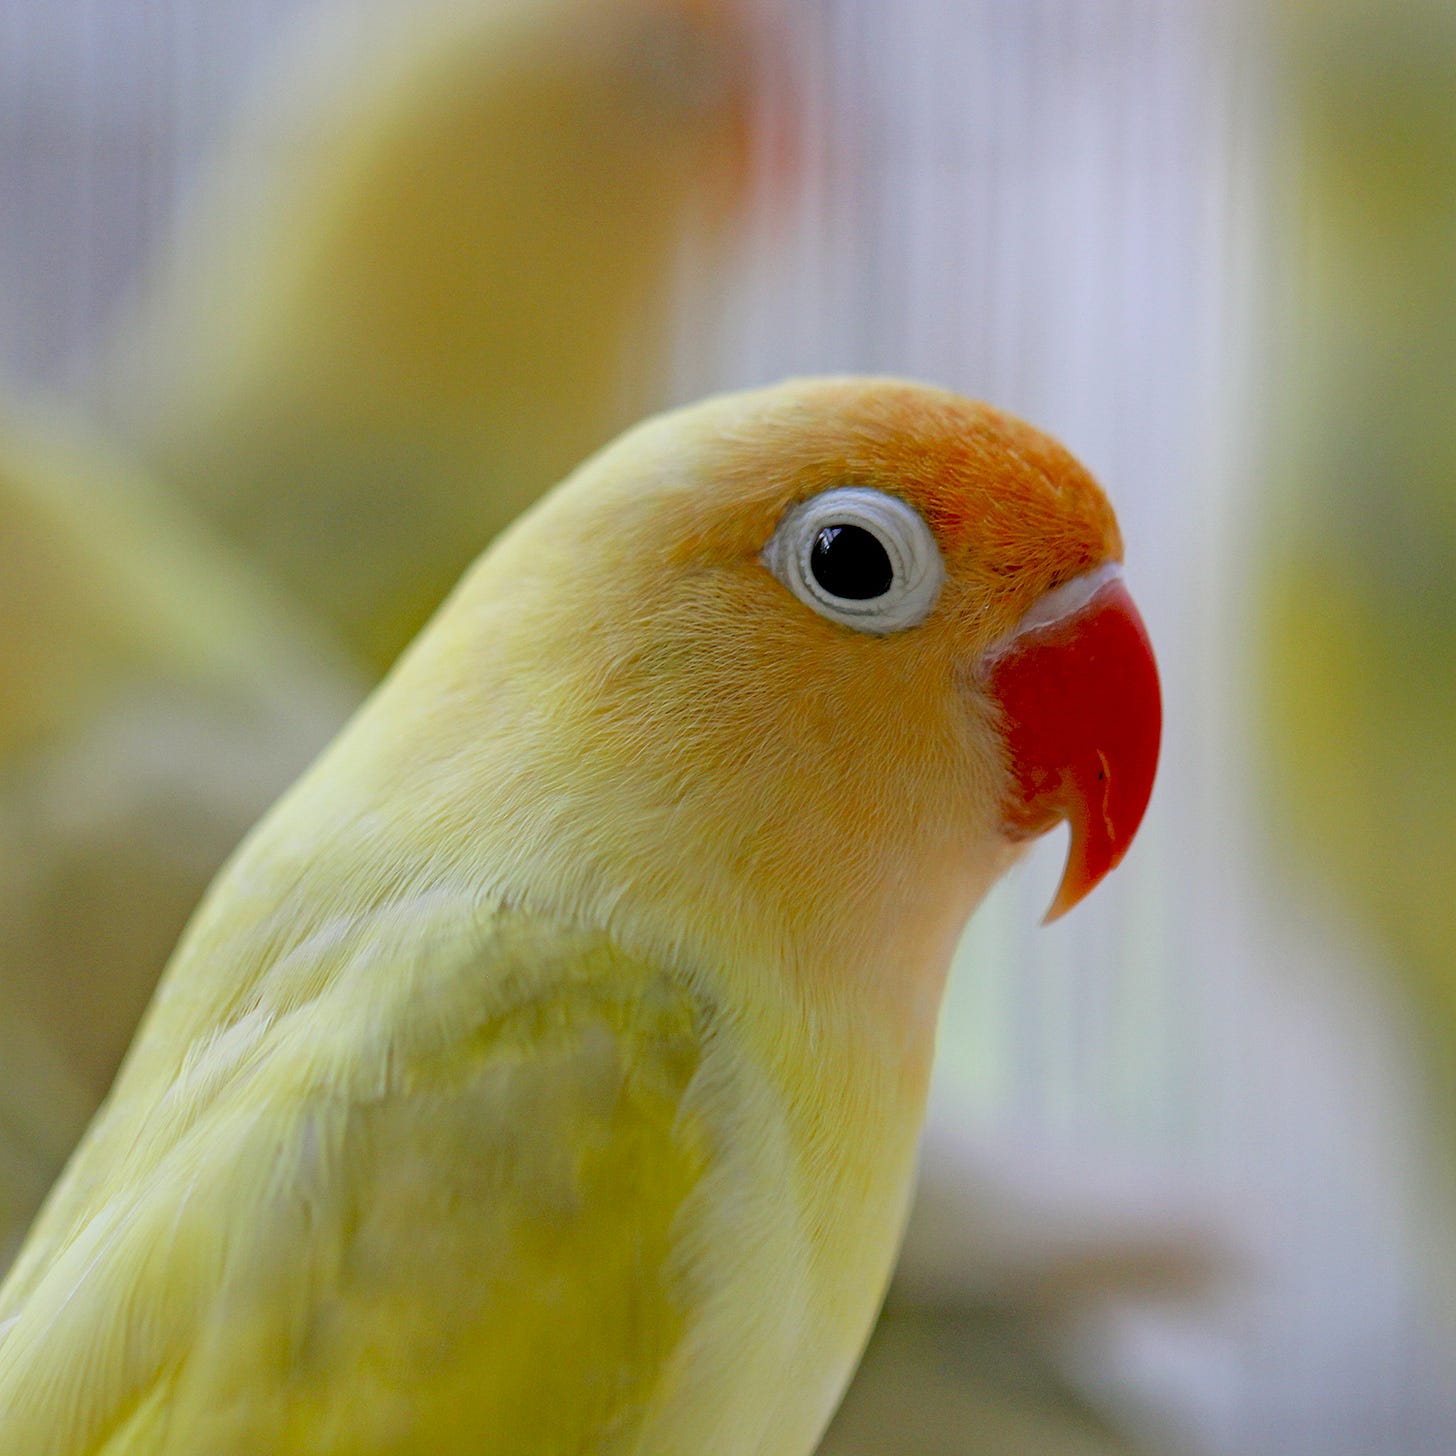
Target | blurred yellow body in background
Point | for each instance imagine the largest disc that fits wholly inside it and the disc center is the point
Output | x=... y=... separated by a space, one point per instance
x=1360 y=600
x=431 y=273
x=153 y=698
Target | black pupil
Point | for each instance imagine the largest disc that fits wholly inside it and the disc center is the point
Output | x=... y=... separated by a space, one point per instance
x=849 y=562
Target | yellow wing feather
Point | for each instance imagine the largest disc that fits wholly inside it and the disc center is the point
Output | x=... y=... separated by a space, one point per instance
x=521 y=1144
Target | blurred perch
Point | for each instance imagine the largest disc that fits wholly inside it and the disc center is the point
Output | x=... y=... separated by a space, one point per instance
x=433 y=272
x=153 y=701
x=1359 y=599
x=968 y=1381
x=1050 y=1235
x=1003 y=1268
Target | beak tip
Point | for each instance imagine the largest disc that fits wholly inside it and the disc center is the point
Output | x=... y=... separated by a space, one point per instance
x=1077 y=882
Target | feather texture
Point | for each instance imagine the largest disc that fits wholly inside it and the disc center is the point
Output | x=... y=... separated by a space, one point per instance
x=544 y=1072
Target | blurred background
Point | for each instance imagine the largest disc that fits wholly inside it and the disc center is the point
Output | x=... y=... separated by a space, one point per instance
x=1188 y=1178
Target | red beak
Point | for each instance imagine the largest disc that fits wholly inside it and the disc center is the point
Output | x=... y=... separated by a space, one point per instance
x=1078 y=688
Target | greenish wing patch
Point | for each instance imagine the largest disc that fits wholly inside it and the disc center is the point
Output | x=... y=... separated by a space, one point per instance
x=468 y=1242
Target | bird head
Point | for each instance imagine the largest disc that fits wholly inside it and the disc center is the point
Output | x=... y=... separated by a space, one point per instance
x=791 y=675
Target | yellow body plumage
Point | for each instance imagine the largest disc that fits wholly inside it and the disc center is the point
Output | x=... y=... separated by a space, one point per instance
x=544 y=1073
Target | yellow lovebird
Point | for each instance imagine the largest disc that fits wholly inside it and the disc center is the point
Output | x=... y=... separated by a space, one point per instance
x=153 y=701
x=433 y=271
x=544 y=1073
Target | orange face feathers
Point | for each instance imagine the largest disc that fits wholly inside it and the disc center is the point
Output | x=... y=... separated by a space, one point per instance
x=1032 y=597
x=805 y=588
x=1013 y=513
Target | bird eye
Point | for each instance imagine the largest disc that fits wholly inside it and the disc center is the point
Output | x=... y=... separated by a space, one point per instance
x=859 y=557
x=848 y=561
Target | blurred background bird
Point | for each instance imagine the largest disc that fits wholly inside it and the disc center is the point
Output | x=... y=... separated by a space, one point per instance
x=154 y=698
x=430 y=271
x=1358 y=645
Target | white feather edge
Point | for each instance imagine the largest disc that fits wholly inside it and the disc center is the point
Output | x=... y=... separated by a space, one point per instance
x=1061 y=602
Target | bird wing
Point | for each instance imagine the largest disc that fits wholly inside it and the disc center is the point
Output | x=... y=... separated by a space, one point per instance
x=440 y=1217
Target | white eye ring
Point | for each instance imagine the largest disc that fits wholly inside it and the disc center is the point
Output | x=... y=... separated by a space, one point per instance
x=916 y=570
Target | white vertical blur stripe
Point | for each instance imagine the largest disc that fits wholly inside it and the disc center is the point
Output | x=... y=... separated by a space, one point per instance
x=104 y=110
x=1056 y=205
x=1029 y=202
